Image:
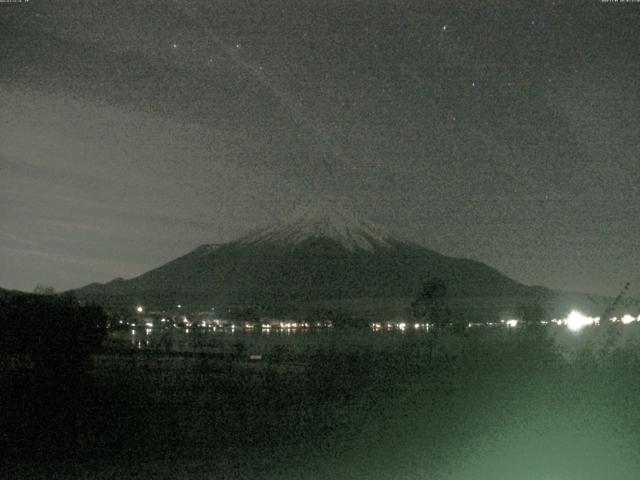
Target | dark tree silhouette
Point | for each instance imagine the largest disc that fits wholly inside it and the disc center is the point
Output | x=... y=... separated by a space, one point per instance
x=431 y=304
x=41 y=289
x=49 y=393
x=50 y=326
x=530 y=314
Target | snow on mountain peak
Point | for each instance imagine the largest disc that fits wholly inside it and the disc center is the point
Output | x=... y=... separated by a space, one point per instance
x=323 y=220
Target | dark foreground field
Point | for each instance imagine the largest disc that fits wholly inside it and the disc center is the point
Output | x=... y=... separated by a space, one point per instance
x=485 y=404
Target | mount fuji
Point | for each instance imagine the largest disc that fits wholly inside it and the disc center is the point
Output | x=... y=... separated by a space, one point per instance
x=325 y=257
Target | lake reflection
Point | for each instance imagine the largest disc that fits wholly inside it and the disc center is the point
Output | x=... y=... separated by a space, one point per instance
x=232 y=339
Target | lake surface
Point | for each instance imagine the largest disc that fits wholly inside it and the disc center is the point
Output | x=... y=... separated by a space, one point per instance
x=298 y=341
x=258 y=341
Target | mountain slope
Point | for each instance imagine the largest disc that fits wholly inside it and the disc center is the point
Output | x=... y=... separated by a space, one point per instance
x=327 y=258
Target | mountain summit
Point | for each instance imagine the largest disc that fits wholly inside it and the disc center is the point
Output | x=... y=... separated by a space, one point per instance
x=322 y=220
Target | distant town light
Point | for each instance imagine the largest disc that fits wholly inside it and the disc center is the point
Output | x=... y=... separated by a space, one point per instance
x=511 y=323
x=626 y=319
x=139 y=309
x=576 y=321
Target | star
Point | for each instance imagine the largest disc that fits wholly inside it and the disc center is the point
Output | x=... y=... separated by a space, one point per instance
x=444 y=28
x=175 y=45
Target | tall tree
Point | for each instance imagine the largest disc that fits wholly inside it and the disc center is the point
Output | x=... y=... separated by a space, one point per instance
x=431 y=304
x=530 y=313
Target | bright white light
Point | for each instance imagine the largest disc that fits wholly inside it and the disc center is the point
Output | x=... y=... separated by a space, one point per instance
x=626 y=319
x=512 y=323
x=575 y=321
x=139 y=309
x=402 y=326
x=149 y=324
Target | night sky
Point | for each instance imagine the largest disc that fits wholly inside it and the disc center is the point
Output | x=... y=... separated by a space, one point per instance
x=133 y=131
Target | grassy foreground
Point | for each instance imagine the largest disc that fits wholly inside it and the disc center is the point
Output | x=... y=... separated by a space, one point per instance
x=485 y=404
